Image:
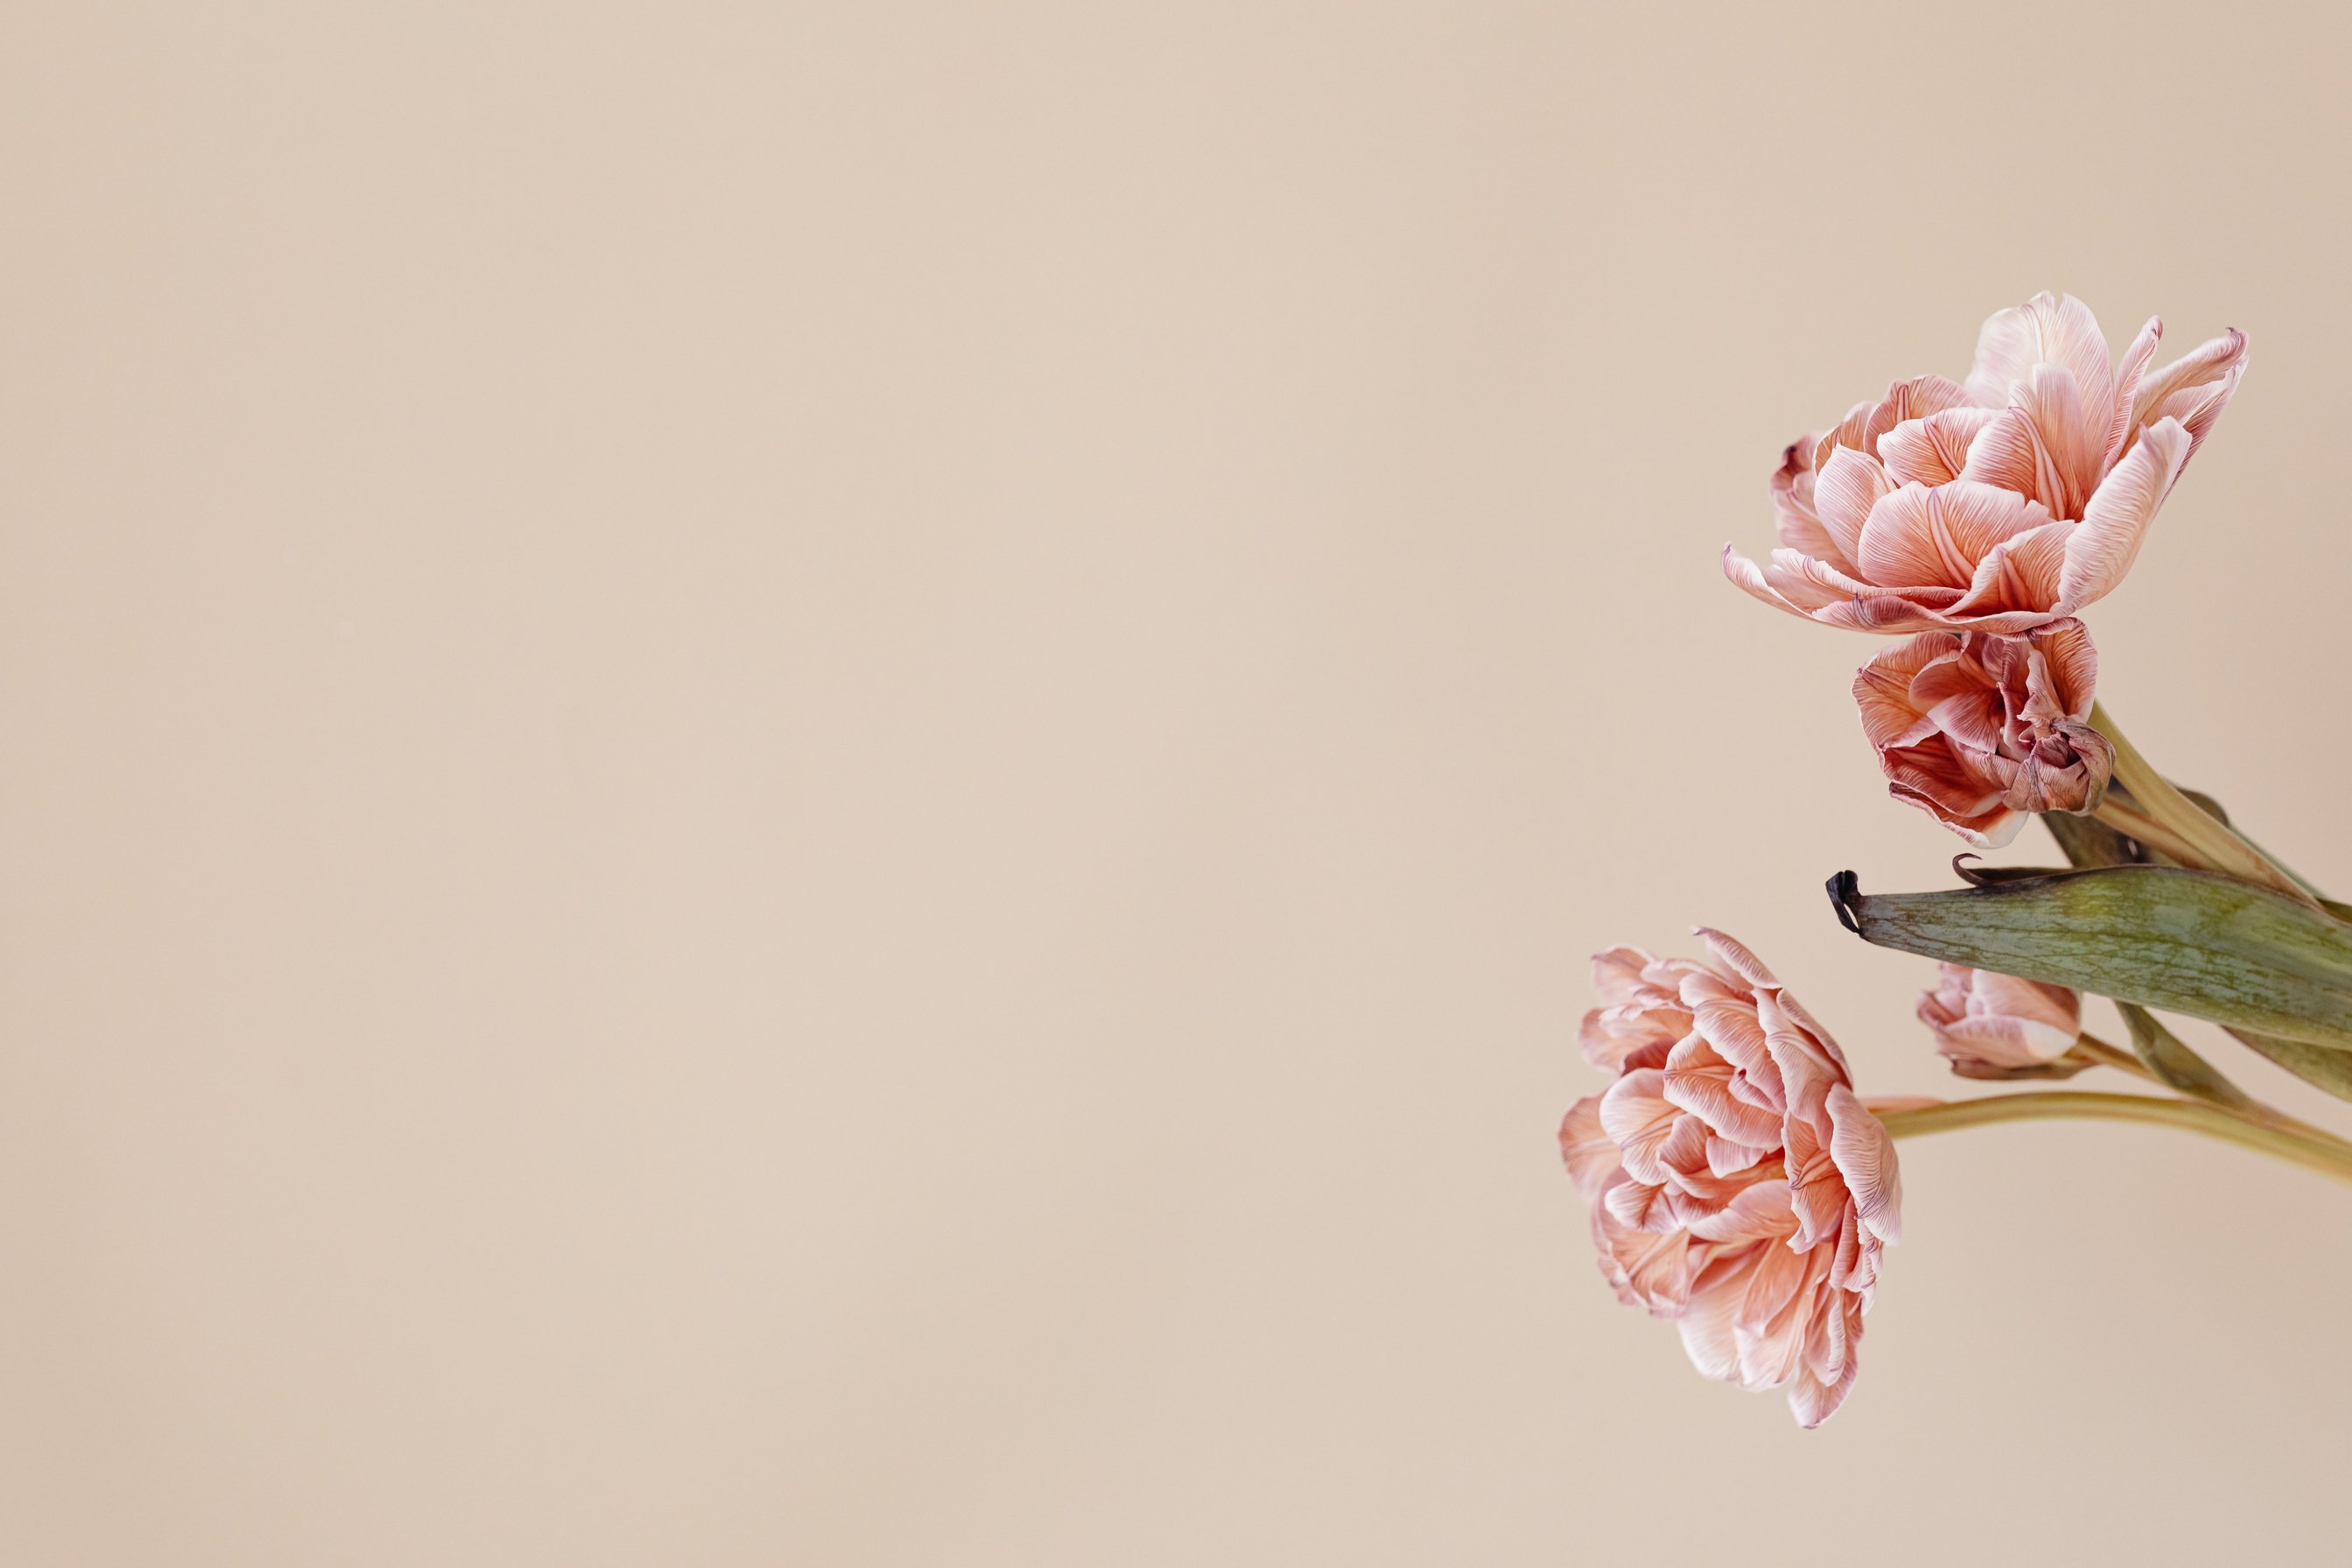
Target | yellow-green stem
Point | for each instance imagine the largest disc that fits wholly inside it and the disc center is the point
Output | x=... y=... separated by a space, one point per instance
x=2092 y=1048
x=2167 y=821
x=2329 y=1158
x=2096 y=1051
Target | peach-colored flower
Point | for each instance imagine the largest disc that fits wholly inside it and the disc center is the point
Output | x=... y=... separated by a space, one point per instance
x=1985 y=1020
x=1739 y=1186
x=2001 y=504
x=1981 y=729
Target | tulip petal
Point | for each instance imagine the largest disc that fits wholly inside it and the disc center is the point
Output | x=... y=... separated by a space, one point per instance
x=1701 y=1082
x=1814 y=1402
x=1882 y=689
x=1637 y=1205
x=1794 y=517
x=2207 y=375
x=1817 y=1189
x=1864 y=1154
x=1730 y=1028
x=1866 y=423
x=2128 y=374
x=1936 y=536
x=2073 y=665
x=1733 y=957
x=1847 y=488
x=2046 y=330
x=2101 y=550
x=1647 y=1269
x=1586 y=1148
x=2020 y=581
x=1774 y=1312
x=1756 y=1211
x=1708 y=1324
x=1654 y=1138
x=1933 y=450
x=2049 y=445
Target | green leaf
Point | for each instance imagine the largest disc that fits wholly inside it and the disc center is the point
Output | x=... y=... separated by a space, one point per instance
x=2315 y=1065
x=2187 y=942
x=2086 y=840
x=2163 y=1052
x=1976 y=874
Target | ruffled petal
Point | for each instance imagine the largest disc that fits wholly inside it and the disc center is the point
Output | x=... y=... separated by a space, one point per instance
x=2128 y=374
x=2195 y=388
x=1758 y=1212
x=1864 y=1153
x=2055 y=330
x=1932 y=451
x=1703 y=1084
x=1793 y=516
x=1882 y=689
x=2102 y=549
x=1993 y=826
x=1586 y=1148
x=2074 y=664
x=1709 y=1323
x=1654 y=1138
x=2019 y=584
x=1811 y=1401
x=2049 y=445
x=1935 y=537
x=1637 y=1205
x=1733 y=957
x=1849 y=486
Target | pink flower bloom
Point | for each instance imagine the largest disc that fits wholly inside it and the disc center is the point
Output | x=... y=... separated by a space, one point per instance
x=1981 y=730
x=1998 y=1022
x=1997 y=505
x=1738 y=1186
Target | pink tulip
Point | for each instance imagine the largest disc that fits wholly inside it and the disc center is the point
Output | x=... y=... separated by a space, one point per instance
x=1997 y=505
x=1738 y=1186
x=1981 y=730
x=1987 y=1021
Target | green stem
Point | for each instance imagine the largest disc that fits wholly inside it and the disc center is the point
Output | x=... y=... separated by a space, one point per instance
x=2091 y=1046
x=2167 y=821
x=2330 y=1158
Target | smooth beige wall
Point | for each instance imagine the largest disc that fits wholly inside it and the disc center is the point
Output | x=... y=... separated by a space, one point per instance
x=823 y=784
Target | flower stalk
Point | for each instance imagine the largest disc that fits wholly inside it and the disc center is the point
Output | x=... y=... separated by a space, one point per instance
x=2284 y=1139
x=2167 y=821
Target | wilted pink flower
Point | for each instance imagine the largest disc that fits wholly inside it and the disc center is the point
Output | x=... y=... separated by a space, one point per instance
x=1987 y=1021
x=1982 y=729
x=2007 y=502
x=1739 y=1186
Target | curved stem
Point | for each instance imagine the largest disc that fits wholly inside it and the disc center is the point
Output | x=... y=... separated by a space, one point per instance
x=2095 y=1049
x=2330 y=1158
x=2106 y=1056
x=2169 y=822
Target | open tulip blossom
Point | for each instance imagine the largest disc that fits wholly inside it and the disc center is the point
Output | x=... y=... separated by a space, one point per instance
x=1739 y=1182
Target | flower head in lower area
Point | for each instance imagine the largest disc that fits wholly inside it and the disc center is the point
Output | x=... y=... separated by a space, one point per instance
x=1987 y=1022
x=1738 y=1185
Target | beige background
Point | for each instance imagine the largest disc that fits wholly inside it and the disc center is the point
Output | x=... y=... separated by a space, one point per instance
x=824 y=785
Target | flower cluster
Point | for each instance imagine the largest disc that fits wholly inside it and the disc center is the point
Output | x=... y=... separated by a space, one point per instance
x=1738 y=1185
x=1979 y=517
